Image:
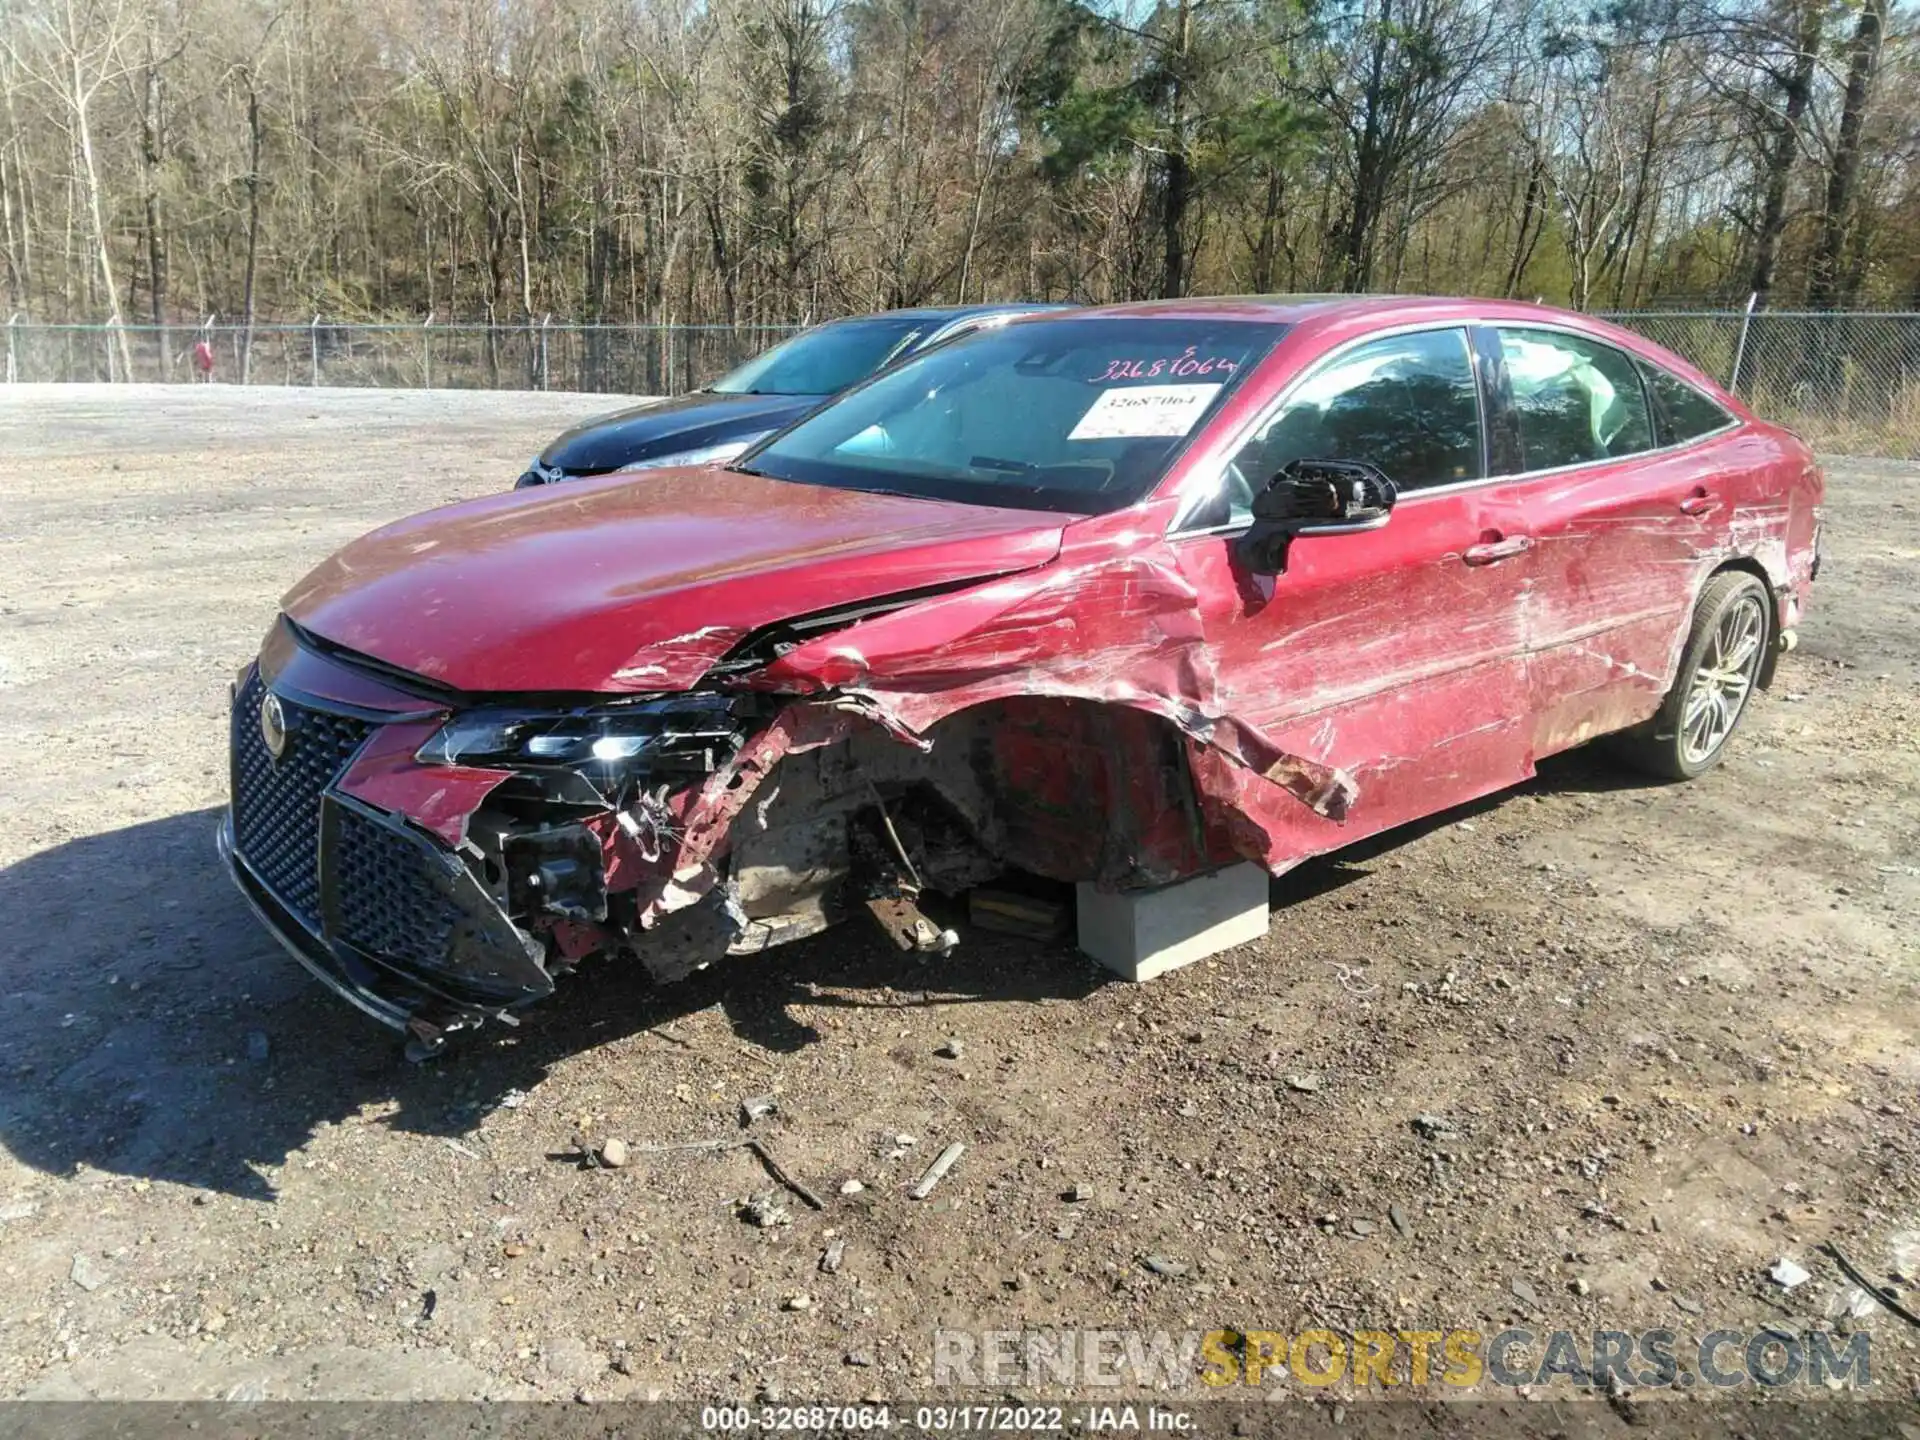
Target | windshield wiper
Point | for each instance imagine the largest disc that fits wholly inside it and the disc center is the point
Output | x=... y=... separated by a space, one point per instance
x=992 y=462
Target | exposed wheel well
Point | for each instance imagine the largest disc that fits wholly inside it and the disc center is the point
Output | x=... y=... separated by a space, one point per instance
x=1067 y=788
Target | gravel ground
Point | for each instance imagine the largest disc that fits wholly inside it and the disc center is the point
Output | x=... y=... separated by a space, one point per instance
x=1670 y=1030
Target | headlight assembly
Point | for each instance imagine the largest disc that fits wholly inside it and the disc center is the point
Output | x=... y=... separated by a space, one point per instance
x=680 y=732
x=705 y=455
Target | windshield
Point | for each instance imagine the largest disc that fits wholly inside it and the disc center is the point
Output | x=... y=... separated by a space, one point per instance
x=823 y=361
x=1082 y=415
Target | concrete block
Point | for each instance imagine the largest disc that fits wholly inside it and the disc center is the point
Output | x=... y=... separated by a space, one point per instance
x=1139 y=934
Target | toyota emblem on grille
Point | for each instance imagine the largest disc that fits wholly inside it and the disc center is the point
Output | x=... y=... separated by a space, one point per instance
x=273 y=725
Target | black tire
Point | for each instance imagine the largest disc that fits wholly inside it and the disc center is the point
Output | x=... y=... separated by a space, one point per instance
x=1682 y=741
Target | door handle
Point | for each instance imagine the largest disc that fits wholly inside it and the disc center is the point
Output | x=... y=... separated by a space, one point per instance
x=1698 y=503
x=1491 y=552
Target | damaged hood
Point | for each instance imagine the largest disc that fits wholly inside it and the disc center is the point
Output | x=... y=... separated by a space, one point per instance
x=615 y=584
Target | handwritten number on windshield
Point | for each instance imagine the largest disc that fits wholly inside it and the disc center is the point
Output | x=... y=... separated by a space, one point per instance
x=1182 y=366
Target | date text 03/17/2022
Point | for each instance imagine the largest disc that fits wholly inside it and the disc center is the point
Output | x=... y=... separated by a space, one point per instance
x=945 y=1419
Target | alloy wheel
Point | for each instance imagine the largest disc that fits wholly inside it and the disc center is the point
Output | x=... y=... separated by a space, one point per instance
x=1724 y=680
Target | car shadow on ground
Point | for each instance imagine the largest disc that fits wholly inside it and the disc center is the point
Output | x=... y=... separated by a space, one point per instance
x=155 y=1030
x=1587 y=770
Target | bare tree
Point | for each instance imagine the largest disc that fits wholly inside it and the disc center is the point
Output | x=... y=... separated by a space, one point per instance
x=1827 y=285
x=82 y=50
x=751 y=162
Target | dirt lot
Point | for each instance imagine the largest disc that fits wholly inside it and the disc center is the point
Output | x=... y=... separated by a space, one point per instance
x=1672 y=1030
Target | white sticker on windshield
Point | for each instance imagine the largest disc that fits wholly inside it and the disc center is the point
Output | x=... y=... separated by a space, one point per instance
x=1143 y=412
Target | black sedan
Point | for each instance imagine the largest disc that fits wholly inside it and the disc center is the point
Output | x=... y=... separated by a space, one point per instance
x=767 y=393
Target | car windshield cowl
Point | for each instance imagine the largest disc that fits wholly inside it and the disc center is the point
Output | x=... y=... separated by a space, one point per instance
x=1011 y=497
x=1079 y=415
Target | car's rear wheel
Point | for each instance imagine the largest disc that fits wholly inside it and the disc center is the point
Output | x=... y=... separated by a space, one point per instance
x=1719 y=667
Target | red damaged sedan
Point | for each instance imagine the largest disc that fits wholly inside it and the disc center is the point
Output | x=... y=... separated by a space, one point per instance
x=1117 y=596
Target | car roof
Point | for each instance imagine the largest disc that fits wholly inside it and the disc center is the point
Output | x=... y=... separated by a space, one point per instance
x=957 y=312
x=1299 y=309
x=1352 y=315
x=1293 y=309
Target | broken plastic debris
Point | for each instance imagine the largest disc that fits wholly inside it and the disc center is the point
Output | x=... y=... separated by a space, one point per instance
x=1787 y=1274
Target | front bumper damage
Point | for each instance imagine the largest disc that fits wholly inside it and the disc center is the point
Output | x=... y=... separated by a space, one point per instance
x=374 y=906
x=436 y=890
x=374 y=989
x=434 y=907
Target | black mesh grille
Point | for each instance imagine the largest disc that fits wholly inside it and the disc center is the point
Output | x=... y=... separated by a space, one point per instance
x=276 y=804
x=386 y=901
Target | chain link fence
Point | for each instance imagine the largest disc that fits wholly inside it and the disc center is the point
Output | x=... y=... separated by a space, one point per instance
x=615 y=359
x=1848 y=382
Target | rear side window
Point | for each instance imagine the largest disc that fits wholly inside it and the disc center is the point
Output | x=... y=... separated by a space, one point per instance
x=1578 y=400
x=1683 y=412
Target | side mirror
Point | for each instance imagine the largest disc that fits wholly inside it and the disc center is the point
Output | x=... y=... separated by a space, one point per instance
x=1314 y=497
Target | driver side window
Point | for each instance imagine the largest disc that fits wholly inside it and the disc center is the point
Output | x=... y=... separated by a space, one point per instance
x=1408 y=404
